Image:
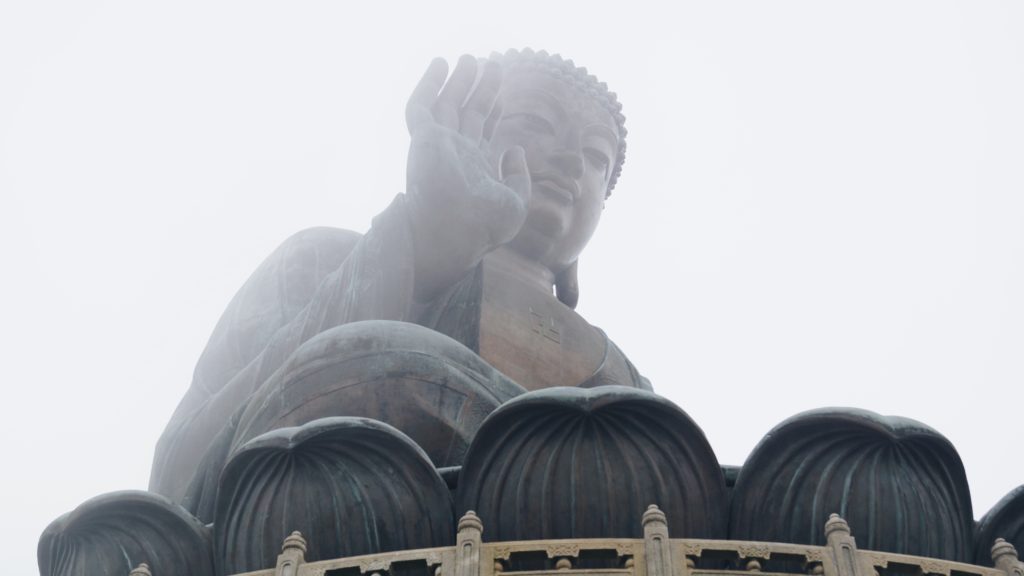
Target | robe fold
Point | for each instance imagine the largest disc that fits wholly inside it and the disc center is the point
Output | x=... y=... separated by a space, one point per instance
x=317 y=281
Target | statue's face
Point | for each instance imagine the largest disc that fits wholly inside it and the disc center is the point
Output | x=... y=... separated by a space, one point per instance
x=571 y=143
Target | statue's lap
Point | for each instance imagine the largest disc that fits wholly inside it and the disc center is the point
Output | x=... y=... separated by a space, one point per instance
x=425 y=384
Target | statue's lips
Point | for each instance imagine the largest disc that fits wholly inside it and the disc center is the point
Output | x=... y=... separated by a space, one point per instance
x=563 y=193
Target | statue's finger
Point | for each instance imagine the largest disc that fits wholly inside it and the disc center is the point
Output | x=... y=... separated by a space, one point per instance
x=417 y=111
x=480 y=103
x=492 y=120
x=471 y=125
x=449 y=102
x=514 y=173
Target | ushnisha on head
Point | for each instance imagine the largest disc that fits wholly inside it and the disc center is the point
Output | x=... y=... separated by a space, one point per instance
x=528 y=61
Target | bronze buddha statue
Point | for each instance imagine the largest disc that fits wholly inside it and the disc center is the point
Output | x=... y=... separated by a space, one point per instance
x=510 y=163
x=368 y=389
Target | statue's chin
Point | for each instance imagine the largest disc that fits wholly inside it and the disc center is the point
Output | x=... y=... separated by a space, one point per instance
x=532 y=245
x=544 y=228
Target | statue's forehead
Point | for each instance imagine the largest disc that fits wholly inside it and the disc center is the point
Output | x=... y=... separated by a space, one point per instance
x=526 y=86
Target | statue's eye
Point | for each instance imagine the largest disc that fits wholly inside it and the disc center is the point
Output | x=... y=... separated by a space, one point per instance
x=597 y=159
x=532 y=122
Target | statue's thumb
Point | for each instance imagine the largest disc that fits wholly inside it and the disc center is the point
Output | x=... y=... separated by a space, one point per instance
x=513 y=172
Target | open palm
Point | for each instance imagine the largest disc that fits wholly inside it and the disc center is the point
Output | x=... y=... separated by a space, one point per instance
x=451 y=176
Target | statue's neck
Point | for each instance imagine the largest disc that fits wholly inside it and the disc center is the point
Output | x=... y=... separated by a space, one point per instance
x=515 y=267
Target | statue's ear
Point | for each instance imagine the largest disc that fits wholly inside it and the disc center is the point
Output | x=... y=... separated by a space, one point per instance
x=567 y=286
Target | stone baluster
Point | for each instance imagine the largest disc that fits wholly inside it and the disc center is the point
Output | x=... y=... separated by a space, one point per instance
x=141 y=570
x=467 y=545
x=1004 y=556
x=293 y=555
x=843 y=547
x=657 y=549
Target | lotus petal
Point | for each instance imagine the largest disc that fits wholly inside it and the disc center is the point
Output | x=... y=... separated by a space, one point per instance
x=111 y=534
x=581 y=463
x=351 y=485
x=899 y=484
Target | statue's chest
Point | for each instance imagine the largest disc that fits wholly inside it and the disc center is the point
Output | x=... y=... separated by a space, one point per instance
x=533 y=338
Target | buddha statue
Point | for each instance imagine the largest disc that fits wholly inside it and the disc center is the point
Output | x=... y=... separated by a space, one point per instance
x=472 y=271
x=368 y=389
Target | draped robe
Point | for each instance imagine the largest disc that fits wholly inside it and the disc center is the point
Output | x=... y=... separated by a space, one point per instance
x=310 y=299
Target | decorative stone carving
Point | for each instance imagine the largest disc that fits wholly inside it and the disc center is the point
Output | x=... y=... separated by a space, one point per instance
x=753 y=551
x=625 y=550
x=468 y=544
x=568 y=550
x=116 y=533
x=814 y=555
x=1005 y=558
x=875 y=559
x=352 y=486
x=657 y=549
x=293 y=555
x=935 y=567
x=692 y=549
x=376 y=565
x=572 y=463
x=433 y=559
x=843 y=545
x=899 y=483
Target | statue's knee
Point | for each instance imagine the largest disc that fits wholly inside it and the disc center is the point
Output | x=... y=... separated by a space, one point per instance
x=422 y=382
x=392 y=345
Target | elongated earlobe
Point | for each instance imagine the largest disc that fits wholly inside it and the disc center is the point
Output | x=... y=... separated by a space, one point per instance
x=567 y=286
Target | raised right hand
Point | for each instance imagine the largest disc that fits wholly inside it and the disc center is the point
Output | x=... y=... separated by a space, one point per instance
x=458 y=191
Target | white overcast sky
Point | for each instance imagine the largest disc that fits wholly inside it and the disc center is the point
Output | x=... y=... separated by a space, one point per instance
x=822 y=205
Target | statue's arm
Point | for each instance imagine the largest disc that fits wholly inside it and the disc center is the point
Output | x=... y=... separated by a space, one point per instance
x=373 y=282
x=455 y=210
x=464 y=200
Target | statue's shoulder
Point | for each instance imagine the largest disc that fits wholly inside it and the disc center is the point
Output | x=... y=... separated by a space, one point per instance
x=333 y=244
x=275 y=292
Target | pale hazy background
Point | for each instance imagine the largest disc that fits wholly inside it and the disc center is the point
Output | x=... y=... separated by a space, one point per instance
x=822 y=205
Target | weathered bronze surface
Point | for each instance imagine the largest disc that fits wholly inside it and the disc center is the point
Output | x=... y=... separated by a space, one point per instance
x=570 y=463
x=507 y=179
x=354 y=485
x=899 y=481
x=1005 y=520
x=365 y=388
x=113 y=533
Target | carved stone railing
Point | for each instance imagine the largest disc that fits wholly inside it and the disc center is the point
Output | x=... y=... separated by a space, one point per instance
x=653 y=555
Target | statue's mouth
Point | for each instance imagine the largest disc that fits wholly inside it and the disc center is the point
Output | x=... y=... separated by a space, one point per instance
x=558 y=189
